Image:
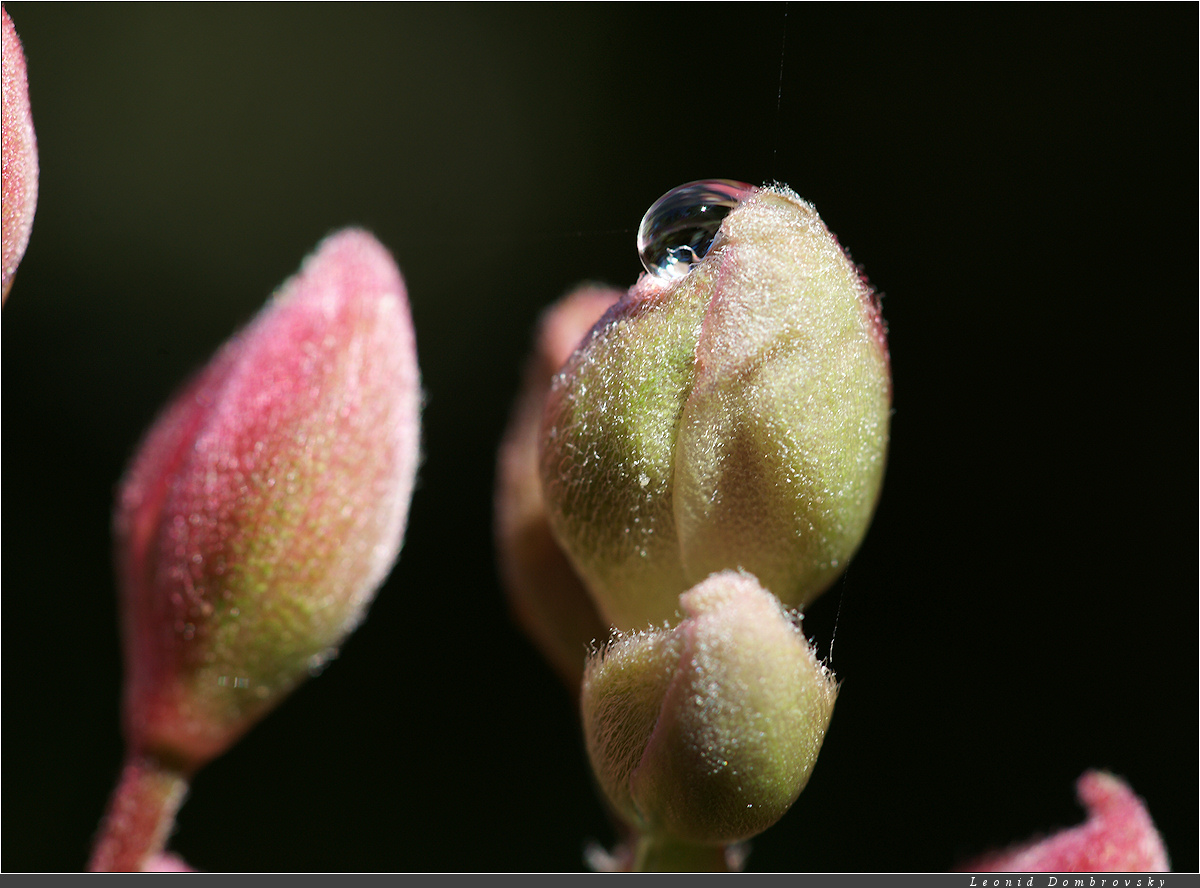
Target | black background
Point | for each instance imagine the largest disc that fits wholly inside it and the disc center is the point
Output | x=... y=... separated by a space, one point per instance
x=1019 y=182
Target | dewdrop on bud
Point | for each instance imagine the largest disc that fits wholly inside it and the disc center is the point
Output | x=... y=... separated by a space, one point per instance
x=707 y=732
x=730 y=414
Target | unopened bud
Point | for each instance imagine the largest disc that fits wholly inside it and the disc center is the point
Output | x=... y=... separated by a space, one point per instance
x=267 y=504
x=735 y=417
x=708 y=731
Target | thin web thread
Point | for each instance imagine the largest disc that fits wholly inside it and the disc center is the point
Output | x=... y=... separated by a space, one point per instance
x=779 y=97
x=837 y=618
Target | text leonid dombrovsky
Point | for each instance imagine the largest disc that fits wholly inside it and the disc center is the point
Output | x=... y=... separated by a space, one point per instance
x=1071 y=881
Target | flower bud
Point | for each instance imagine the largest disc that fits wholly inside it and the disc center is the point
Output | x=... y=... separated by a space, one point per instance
x=267 y=504
x=547 y=597
x=1118 y=836
x=18 y=193
x=734 y=418
x=708 y=731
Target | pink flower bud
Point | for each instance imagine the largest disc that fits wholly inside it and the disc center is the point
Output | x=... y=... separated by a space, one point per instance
x=18 y=193
x=735 y=417
x=707 y=732
x=267 y=504
x=546 y=595
x=1118 y=836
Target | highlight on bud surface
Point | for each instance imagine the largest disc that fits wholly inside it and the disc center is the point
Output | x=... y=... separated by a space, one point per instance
x=733 y=418
x=546 y=596
x=267 y=504
x=19 y=182
x=707 y=732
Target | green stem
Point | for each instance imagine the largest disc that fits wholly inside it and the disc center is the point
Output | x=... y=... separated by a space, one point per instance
x=663 y=854
x=140 y=815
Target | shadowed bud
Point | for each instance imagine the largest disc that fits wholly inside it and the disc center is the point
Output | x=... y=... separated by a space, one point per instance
x=18 y=193
x=1118 y=836
x=267 y=504
x=546 y=595
x=708 y=731
x=733 y=418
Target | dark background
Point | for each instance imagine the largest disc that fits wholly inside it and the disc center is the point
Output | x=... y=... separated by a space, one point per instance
x=1019 y=182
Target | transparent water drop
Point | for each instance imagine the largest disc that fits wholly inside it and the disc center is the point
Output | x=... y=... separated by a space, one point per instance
x=680 y=226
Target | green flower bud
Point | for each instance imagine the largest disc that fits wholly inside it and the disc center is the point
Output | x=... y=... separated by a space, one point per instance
x=733 y=418
x=708 y=731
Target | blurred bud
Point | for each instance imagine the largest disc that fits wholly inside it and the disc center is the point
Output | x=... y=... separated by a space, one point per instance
x=735 y=417
x=18 y=193
x=1118 y=836
x=267 y=504
x=708 y=731
x=547 y=597
x=167 y=863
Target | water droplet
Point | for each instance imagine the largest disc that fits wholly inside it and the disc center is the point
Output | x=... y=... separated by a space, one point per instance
x=680 y=226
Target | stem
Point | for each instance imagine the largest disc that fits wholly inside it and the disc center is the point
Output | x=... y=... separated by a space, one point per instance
x=140 y=815
x=663 y=854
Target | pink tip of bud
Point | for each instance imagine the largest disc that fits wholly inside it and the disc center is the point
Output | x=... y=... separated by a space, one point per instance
x=1118 y=836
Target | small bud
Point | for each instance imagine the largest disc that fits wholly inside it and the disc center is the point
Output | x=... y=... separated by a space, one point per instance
x=18 y=193
x=546 y=595
x=733 y=418
x=708 y=731
x=267 y=504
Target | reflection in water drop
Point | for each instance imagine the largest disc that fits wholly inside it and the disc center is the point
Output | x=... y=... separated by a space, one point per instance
x=680 y=226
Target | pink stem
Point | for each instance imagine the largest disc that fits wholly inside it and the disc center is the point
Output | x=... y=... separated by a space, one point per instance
x=140 y=815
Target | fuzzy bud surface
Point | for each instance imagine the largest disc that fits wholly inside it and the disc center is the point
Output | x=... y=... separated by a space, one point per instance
x=268 y=503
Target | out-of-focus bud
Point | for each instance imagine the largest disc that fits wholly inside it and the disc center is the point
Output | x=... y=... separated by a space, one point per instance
x=1118 y=836
x=18 y=193
x=268 y=503
x=708 y=731
x=734 y=417
x=547 y=597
